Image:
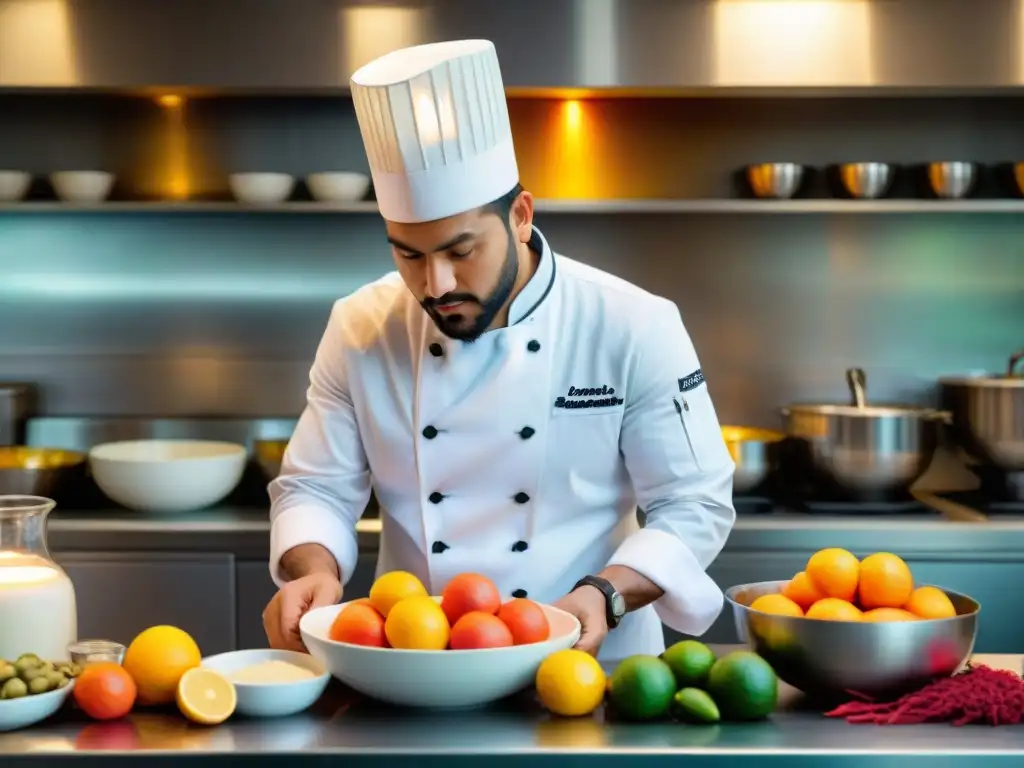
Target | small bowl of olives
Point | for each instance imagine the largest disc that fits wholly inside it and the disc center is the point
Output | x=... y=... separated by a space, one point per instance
x=32 y=689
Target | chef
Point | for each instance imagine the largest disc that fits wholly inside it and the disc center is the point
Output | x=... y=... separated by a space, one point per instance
x=509 y=407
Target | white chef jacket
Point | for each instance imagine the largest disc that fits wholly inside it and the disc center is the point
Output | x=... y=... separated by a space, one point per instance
x=522 y=455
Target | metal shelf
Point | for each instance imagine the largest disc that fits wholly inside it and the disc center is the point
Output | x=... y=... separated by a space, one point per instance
x=627 y=206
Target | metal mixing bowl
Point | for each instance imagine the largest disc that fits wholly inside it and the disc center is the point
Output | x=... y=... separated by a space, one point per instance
x=269 y=455
x=953 y=179
x=778 y=181
x=752 y=452
x=828 y=659
x=37 y=471
x=866 y=181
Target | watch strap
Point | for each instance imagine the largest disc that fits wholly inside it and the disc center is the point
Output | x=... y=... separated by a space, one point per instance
x=609 y=592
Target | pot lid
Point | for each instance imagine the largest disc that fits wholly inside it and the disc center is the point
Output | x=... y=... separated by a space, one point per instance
x=1013 y=378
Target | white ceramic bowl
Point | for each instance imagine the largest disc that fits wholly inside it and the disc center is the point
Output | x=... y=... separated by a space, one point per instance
x=261 y=188
x=82 y=186
x=14 y=185
x=29 y=710
x=167 y=475
x=340 y=187
x=272 y=699
x=434 y=678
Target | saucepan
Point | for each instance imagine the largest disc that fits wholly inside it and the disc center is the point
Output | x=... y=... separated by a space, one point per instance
x=755 y=454
x=988 y=415
x=866 y=450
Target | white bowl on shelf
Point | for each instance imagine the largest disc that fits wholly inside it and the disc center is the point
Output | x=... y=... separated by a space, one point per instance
x=82 y=186
x=14 y=185
x=271 y=699
x=29 y=710
x=338 y=187
x=167 y=475
x=435 y=679
x=261 y=188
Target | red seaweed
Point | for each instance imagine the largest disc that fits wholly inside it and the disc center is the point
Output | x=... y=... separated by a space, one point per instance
x=978 y=695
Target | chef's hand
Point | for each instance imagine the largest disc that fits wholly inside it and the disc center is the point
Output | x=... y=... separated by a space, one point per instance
x=588 y=605
x=292 y=602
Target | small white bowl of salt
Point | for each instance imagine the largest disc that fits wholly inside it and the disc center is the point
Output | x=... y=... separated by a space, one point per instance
x=271 y=683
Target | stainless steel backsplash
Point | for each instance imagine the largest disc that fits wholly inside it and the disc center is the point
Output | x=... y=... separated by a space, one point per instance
x=219 y=315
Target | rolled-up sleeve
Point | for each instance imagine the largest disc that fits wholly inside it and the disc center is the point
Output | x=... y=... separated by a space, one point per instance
x=324 y=484
x=682 y=475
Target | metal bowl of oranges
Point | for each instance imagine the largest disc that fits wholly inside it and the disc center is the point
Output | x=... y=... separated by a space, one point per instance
x=845 y=626
x=466 y=647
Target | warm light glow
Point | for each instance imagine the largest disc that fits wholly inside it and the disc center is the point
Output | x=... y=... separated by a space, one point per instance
x=781 y=43
x=574 y=167
x=35 y=44
x=18 y=569
x=170 y=101
x=368 y=32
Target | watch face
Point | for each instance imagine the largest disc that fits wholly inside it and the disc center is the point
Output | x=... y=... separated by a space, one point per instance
x=618 y=605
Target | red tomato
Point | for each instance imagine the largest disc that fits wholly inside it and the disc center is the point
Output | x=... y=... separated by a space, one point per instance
x=526 y=620
x=477 y=629
x=359 y=623
x=105 y=691
x=469 y=592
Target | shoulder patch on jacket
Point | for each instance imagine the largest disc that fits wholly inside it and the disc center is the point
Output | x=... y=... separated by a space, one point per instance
x=691 y=381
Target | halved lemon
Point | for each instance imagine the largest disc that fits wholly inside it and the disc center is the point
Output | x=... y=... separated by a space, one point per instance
x=206 y=697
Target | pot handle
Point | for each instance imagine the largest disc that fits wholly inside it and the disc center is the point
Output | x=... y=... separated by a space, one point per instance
x=858 y=383
x=1014 y=360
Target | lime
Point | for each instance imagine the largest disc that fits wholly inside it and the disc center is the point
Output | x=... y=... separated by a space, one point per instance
x=695 y=706
x=690 y=662
x=744 y=686
x=642 y=687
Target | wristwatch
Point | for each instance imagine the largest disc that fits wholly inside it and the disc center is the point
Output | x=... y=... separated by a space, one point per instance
x=615 y=604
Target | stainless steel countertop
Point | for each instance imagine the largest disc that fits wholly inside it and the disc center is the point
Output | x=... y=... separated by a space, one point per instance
x=246 y=533
x=346 y=725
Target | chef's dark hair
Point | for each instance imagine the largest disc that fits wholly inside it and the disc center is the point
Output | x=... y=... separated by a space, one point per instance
x=502 y=207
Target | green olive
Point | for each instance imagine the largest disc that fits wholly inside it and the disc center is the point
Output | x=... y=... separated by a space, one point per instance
x=31 y=673
x=74 y=670
x=63 y=682
x=14 y=688
x=7 y=671
x=40 y=684
x=26 y=662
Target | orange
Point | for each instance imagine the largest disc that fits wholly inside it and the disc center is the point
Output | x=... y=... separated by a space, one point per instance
x=157 y=658
x=205 y=697
x=526 y=619
x=417 y=623
x=478 y=629
x=359 y=623
x=776 y=604
x=889 y=614
x=835 y=572
x=469 y=592
x=802 y=591
x=105 y=691
x=571 y=683
x=834 y=609
x=392 y=587
x=885 y=581
x=930 y=603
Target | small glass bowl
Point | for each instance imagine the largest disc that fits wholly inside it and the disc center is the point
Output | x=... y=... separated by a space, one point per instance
x=86 y=652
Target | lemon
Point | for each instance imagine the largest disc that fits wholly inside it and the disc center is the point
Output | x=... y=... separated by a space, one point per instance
x=392 y=587
x=571 y=683
x=204 y=697
x=417 y=623
x=157 y=658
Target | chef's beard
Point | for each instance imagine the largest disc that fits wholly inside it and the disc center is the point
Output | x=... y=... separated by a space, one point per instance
x=456 y=326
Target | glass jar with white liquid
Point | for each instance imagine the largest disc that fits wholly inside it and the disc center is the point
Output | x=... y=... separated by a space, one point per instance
x=38 y=613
